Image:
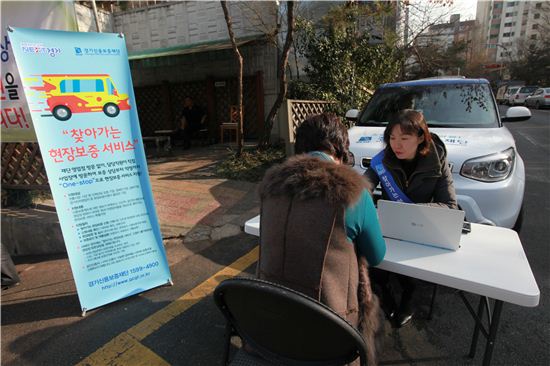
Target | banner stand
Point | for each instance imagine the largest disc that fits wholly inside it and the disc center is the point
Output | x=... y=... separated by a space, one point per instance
x=79 y=90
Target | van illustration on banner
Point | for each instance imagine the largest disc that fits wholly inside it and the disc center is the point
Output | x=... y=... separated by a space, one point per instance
x=81 y=93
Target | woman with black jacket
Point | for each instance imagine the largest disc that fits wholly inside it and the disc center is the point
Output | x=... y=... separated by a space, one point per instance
x=412 y=168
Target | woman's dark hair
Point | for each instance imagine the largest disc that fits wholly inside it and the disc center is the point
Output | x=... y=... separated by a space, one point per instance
x=412 y=123
x=323 y=132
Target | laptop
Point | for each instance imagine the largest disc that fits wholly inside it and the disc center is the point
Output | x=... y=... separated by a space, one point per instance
x=421 y=224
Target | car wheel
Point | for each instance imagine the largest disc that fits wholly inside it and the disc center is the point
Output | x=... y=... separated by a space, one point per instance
x=111 y=109
x=62 y=113
x=519 y=221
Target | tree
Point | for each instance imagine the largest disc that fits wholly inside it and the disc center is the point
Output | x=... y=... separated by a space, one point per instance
x=346 y=61
x=433 y=60
x=282 y=67
x=422 y=55
x=239 y=58
x=272 y=25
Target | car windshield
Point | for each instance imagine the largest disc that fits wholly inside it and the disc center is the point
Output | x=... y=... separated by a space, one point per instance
x=527 y=90
x=512 y=90
x=443 y=105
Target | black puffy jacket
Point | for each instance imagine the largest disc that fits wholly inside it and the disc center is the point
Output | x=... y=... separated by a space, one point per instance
x=430 y=183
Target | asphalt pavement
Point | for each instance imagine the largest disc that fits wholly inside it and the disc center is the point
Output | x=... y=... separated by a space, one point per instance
x=180 y=325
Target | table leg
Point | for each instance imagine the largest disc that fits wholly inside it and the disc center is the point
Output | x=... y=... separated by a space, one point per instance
x=432 y=303
x=478 y=326
x=492 y=333
x=157 y=143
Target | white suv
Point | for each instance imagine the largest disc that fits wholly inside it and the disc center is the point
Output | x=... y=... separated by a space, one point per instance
x=488 y=173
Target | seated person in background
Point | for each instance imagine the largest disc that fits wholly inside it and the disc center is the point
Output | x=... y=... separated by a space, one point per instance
x=414 y=164
x=319 y=226
x=190 y=121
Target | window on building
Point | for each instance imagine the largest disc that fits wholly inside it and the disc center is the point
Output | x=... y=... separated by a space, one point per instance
x=511 y=14
x=497 y=5
x=536 y=16
x=533 y=36
x=522 y=33
x=510 y=24
x=493 y=36
x=511 y=3
x=535 y=26
x=538 y=5
x=495 y=26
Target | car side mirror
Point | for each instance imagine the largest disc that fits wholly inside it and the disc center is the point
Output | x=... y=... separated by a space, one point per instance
x=516 y=114
x=352 y=114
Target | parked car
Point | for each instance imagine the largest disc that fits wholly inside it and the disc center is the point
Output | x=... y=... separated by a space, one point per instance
x=488 y=172
x=539 y=99
x=518 y=98
x=508 y=93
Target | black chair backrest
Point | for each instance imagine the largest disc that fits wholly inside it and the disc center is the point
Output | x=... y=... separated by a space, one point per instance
x=287 y=327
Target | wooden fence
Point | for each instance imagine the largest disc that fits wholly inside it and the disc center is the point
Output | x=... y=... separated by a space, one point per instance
x=294 y=112
x=23 y=167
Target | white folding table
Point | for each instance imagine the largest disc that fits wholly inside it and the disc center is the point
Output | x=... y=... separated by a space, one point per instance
x=490 y=263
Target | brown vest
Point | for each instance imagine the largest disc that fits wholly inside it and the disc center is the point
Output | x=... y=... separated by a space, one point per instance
x=303 y=241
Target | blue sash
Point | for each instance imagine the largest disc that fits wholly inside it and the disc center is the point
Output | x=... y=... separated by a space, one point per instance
x=386 y=180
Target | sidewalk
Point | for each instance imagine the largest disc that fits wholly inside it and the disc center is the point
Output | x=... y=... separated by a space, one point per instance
x=192 y=205
x=201 y=220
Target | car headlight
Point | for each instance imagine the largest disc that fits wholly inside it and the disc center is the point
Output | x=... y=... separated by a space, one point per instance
x=490 y=168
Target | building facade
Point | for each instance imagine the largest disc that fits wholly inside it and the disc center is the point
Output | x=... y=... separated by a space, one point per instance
x=504 y=25
x=181 y=48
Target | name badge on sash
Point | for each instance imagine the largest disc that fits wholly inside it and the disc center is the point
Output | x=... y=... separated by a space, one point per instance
x=386 y=180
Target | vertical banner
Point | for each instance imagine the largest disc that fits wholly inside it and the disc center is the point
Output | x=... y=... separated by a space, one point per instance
x=16 y=120
x=79 y=90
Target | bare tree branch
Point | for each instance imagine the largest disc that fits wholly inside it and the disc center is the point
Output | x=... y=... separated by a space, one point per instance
x=239 y=57
x=282 y=74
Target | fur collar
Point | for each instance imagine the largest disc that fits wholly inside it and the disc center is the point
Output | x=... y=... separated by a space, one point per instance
x=305 y=177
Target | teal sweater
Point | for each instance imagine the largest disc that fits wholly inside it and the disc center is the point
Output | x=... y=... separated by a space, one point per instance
x=363 y=229
x=362 y=226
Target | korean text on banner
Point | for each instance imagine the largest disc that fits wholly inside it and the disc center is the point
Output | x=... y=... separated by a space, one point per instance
x=16 y=123
x=79 y=88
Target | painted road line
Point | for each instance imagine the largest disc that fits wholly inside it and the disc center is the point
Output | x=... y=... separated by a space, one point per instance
x=126 y=349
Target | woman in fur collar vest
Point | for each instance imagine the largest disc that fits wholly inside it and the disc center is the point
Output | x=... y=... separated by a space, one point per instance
x=319 y=227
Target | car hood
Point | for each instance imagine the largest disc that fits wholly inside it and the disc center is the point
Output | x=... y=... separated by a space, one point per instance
x=462 y=143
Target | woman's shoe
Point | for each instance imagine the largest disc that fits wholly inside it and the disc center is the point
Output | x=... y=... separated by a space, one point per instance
x=402 y=319
x=404 y=313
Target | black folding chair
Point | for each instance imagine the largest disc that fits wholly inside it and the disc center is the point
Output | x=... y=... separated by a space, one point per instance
x=284 y=327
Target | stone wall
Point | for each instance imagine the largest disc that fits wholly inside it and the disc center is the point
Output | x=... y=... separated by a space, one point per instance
x=179 y=23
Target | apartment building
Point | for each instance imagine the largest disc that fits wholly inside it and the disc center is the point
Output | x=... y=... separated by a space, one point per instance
x=446 y=34
x=504 y=25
